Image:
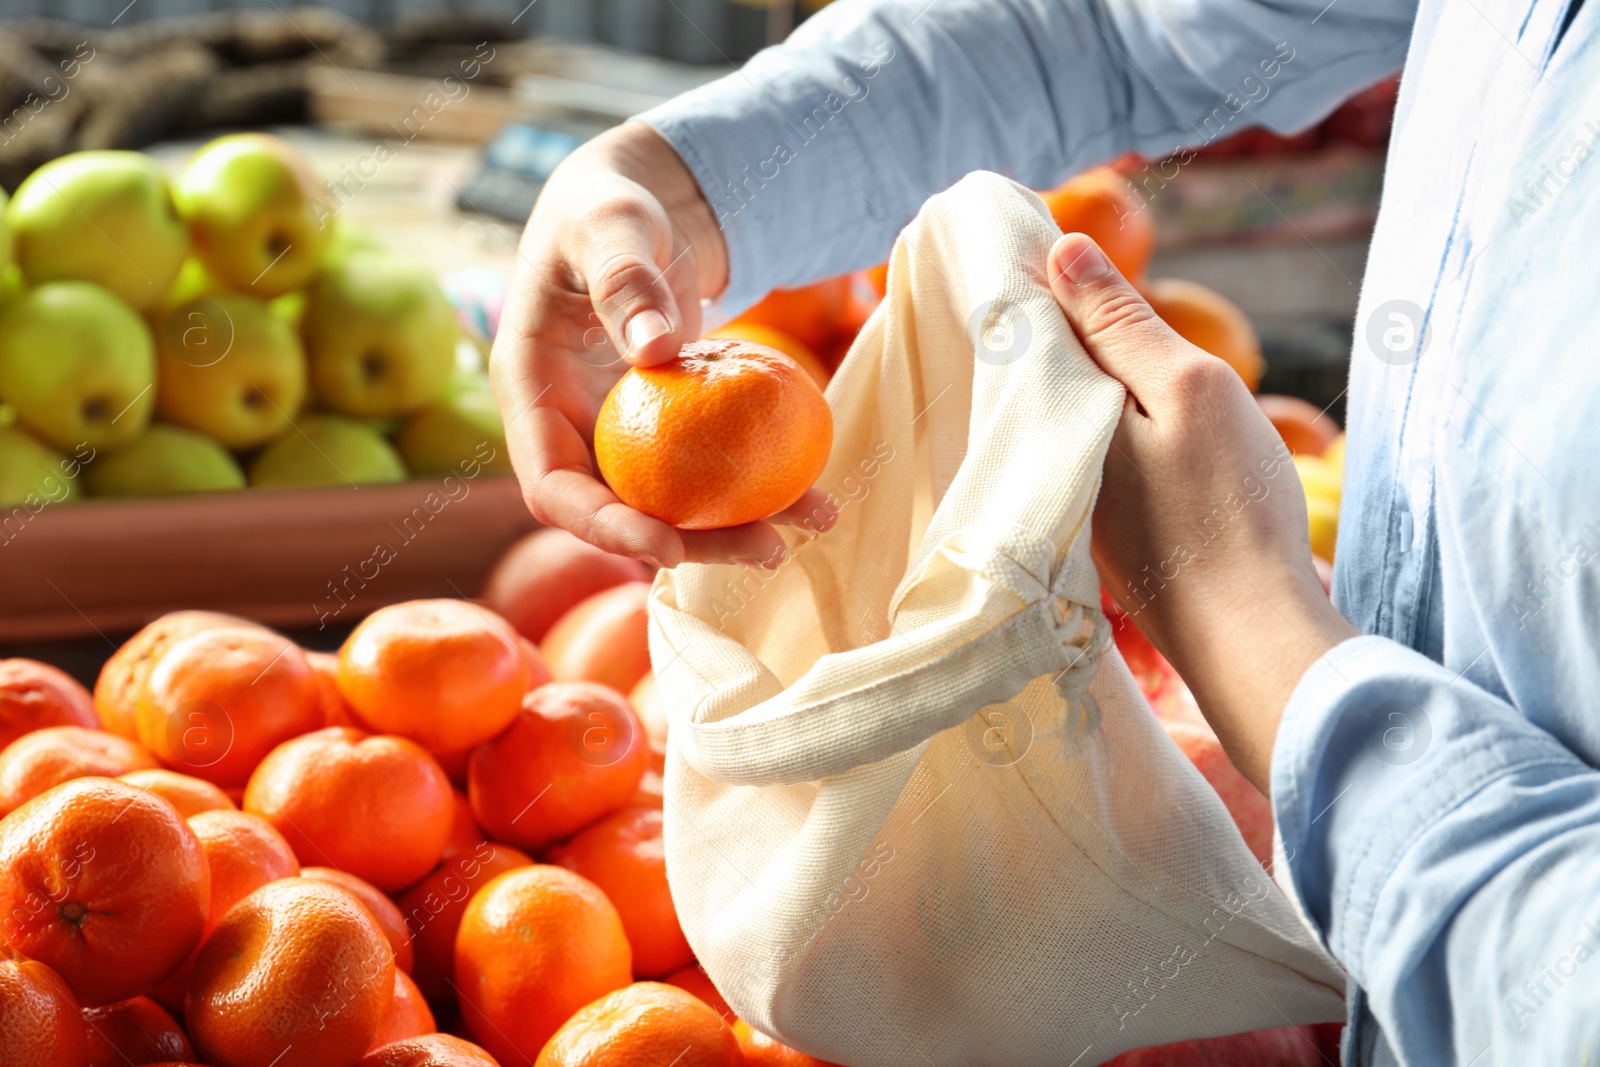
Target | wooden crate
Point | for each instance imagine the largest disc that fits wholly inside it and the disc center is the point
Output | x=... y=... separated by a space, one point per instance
x=294 y=558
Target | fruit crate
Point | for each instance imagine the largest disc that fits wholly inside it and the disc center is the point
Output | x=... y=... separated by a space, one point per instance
x=306 y=559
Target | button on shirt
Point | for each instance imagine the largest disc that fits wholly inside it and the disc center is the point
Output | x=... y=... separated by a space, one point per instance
x=1434 y=781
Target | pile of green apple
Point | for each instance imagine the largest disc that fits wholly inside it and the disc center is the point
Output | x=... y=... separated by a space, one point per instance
x=221 y=329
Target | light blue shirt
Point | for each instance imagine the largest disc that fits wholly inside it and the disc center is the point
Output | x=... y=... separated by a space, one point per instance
x=1435 y=782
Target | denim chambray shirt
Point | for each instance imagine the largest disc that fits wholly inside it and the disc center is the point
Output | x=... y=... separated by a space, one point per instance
x=1435 y=781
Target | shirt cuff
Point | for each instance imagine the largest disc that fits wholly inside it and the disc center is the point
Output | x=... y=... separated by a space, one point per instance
x=751 y=163
x=1377 y=747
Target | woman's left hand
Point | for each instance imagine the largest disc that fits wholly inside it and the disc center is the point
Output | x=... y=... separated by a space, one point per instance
x=1200 y=528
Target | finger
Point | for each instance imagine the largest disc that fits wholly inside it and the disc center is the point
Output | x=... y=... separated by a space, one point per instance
x=627 y=250
x=552 y=463
x=1115 y=323
x=815 y=510
x=755 y=543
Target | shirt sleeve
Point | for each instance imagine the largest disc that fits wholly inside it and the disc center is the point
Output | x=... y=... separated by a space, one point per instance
x=818 y=151
x=1448 y=851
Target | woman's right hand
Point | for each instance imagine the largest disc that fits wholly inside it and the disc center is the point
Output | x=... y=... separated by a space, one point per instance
x=618 y=253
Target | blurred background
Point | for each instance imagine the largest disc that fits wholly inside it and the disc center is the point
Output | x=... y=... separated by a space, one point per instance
x=1277 y=226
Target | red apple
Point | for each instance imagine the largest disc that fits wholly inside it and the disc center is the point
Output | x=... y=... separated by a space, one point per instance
x=545 y=575
x=605 y=639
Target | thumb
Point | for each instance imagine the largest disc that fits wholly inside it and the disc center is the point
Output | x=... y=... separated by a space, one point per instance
x=641 y=281
x=1116 y=324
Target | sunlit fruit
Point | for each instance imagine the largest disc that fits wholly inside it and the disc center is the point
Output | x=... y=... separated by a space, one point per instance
x=103 y=883
x=535 y=945
x=547 y=573
x=695 y=980
x=325 y=450
x=97 y=386
x=256 y=213
x=460 y=434
x=646 y=1022
x=727 y=433
x=380 y=335
x=123 y=676
x=1334 y=453
x=1305 y=429
x=763 y=1051
x=34 y=695
x=1318 y=477
x=772 y=337
x=31 y=472
x=431 y=1050
x=243 y=853
x=810 y=314
x=1323 y=516
x=383 y=911
x=45 y=758
x=229 y=368
x=604 y=639
x=446 y=673
x=188 y=794
x=1210 y=321
x=575 y=753
x=219 y=700
x=136 y=1030
x=624 y=855
x=407 y=1015
x=432 y=910
x=645 y=698
x=1102 y=204
x=165 y=461
x=39 y=1021
x=377 y=807
x=295 y=965
x=105 y=217
x=336 y=711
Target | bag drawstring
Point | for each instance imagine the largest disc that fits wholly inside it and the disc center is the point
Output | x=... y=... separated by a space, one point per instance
x=1085 y=632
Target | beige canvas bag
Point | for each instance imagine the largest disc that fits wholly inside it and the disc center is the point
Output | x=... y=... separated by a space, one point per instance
x=917 y=811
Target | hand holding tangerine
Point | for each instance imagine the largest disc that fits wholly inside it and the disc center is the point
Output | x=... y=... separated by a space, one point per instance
x=728 y=433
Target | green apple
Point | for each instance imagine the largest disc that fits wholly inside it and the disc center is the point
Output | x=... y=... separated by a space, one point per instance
x=7 y=259
x=164 y=461
x=290 y=307
x=191 y=283
x=230 y=368
x=31 y=472
x=103 y=217
x=12 y=283
x=348 y=237
x=326 y=450
x=78 y=365
x=452 y=433
x=380 y=335
x=256 y=213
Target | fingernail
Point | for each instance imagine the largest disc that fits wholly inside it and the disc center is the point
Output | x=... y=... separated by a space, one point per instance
x=645 y=327
x=1089 y=264
x=652 y=561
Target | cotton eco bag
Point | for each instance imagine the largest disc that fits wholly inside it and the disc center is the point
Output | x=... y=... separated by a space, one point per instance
x=917 y=811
